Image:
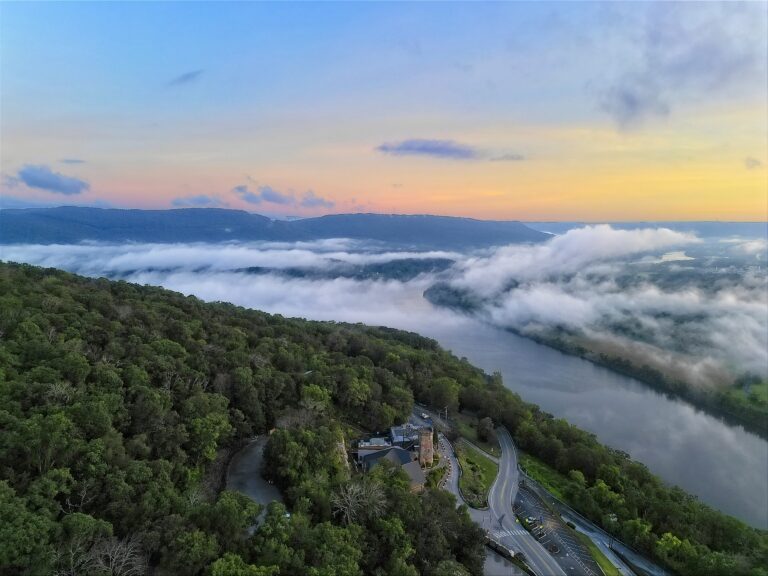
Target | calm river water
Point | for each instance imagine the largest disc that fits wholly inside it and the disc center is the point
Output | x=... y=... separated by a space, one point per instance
x=723 y=465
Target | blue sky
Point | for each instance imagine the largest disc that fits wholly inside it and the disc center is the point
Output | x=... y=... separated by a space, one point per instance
x=169 y=102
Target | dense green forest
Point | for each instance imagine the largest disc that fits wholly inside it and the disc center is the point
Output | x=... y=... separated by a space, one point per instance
x=119 y=405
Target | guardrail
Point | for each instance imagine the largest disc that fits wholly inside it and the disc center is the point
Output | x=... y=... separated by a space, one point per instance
x=482 y=451
x=516 y=558
x=592 y=526
x=544 y=493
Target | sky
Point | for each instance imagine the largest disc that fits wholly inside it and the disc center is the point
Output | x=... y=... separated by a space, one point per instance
x=529 y=111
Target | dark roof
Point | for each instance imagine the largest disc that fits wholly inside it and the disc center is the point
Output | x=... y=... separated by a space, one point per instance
x=415 y=473
x=395 y=455
x=400 y=457
x=404 y=433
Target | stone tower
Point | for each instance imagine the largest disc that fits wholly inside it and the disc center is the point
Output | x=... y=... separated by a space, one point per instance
x=426 y=449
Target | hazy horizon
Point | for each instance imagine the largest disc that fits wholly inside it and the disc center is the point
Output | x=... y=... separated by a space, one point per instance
x=608 y=112
x=290 y=217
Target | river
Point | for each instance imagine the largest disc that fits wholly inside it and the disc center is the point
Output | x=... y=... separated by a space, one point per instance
x=723 y=465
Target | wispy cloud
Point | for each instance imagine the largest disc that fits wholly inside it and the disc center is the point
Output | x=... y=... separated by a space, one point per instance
x=9 y=181
x=445 y=149
x=43 y=178
x=186 y=78
x=72 y=161
x=435 y=148
x=752 y=163
x=201 y=201
x=312 y=200
x=263 y=194
x=633 y=101
x=508 y=158
x=269 y=195
x=684 y=50
x=243 y=192
x=589 y=282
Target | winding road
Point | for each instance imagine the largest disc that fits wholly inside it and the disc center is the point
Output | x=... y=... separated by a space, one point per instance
x=504 y=524
x=499 y=519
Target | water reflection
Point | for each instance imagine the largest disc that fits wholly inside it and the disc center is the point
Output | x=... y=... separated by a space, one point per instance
x=724 y=465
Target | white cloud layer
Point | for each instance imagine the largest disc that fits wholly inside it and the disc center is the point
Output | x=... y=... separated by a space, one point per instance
x=564 y=254
x=586 y=281
x=120 y=258
x=593 y=281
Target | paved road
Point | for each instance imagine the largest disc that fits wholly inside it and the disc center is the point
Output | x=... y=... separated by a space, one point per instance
x=495 y=565
x=500 y=519
x=603 y=540
x=244 y=476
x=598 y=536
x=604 y=546
x=571 y=554
x=244 y=473
x=451 y=482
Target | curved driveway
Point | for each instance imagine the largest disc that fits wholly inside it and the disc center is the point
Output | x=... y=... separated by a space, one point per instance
x=244 y=476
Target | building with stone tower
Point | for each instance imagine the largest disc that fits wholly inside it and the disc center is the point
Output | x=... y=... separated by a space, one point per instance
x=426 y=449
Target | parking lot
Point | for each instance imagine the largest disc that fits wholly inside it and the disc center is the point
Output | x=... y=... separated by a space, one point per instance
x=554 y=535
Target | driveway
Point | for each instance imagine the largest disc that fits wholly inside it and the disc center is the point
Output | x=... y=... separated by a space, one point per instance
x=244 y=476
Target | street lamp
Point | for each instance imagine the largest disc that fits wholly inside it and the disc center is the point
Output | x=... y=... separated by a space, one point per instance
x=613 y=519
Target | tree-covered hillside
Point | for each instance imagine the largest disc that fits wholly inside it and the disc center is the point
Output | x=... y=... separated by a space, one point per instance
x=119 y=405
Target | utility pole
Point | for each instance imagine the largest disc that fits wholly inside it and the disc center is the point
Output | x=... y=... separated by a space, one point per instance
x=613 y=519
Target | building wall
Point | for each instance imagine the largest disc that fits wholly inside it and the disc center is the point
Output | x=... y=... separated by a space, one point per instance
x=426 y=449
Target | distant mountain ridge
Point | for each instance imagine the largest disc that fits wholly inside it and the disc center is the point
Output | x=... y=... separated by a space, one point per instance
x=70 y=224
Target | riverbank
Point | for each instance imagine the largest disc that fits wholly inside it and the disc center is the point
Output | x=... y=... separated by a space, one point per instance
x=726 y=403
x=723 y=465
